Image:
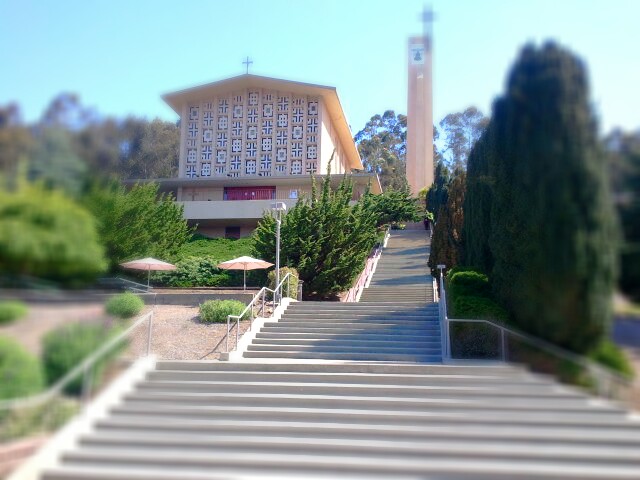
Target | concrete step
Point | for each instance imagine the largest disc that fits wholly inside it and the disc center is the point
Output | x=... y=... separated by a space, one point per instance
x=355 y=357
x=327 y=347
x=436 y=423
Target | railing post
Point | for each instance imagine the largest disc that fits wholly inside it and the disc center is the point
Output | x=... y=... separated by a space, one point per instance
x=299 y=293
x=237 y=330
x=149 y=331
x=289 y=286
x=86 y=384
x=504 y=345
x=228 y=332
x=263 y=297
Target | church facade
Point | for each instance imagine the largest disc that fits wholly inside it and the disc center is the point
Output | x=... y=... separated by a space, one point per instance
x=248 y=141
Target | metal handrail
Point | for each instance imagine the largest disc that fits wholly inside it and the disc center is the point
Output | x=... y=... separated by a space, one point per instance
x=546 y=346
x=277 y=300
x=83 y=367
x=445 y=324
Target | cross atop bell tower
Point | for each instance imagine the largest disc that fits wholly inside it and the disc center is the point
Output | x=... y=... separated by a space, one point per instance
x=420 y=168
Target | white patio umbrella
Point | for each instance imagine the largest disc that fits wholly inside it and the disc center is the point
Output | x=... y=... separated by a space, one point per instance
x=148 y=264
x=244 y=263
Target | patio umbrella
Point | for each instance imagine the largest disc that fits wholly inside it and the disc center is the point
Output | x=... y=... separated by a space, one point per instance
x=148 y=264
x=244 y=263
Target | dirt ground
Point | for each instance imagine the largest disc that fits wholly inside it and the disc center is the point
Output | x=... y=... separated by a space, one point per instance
x=177 y=333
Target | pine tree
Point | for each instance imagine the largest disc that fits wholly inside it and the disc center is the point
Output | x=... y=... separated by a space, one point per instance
x=553 y=235
x=477 y=205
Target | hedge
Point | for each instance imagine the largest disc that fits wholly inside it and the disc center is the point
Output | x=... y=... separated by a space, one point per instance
x=12 y=310
x=216 y=311
x=20 y=372
x=124 y=305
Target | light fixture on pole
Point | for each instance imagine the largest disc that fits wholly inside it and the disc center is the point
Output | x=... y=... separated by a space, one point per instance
x=278 y=208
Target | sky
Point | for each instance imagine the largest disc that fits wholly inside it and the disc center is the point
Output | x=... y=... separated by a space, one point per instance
x=120 y=56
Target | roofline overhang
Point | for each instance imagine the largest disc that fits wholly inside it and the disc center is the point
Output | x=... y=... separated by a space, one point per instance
x=172 y=183
x=176 y=100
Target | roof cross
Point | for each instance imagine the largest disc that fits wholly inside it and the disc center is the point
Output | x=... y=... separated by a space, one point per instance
x=247 y=62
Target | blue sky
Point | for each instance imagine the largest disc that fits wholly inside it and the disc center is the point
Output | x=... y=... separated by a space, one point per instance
x=120 y=56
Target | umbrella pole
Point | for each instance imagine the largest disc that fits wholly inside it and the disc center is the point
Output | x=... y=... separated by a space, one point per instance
x=245 y=278
x=148 y=276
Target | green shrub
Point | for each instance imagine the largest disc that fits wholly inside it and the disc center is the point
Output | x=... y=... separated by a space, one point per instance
x=27 y=421
x=293 y=283
x=68 y=346
x=225 y=248
x=468 y=306
x=195 y=272
x=475 y=341
x=468 y=282
x=612 y=356
x=20 y=372
x=124 y=305
x=12 y=310
x=217 y=310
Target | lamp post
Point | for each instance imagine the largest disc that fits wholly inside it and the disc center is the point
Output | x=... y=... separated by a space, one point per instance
x=278 y=208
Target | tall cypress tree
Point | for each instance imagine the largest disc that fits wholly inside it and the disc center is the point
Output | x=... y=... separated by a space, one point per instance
x=477 y=205
x=553 y=231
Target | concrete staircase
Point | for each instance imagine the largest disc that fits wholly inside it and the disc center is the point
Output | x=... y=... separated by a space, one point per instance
x=394 y=321
x=402 y=274
x=342 y=391
x=215 y=420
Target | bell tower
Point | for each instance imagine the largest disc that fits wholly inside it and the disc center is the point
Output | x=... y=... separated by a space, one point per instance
x=420 y=168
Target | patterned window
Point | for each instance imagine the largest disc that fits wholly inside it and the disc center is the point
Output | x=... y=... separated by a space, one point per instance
x=191 y=142
x=265 y=161
x=266 y=144
x=250 y=167
x=251 y=149
x=296 y=167
x=281 y=155
x=267 y=97
x=267 y=110
x=205 y=170
x=221 y=140
x=298 y=101
x=312 y=125
x=267 y=127
x=252 y=115
x=283 y=104
x=297 y=132
x=281 y=137
x=223 y=122
x=236 y=145
x=207 y=135
x=281 y=169
x=252 y=133
x=221 y=156
x=193 y=130
x=192 y=155
x=220 y=170
x=253 y=98
x=312 y=152
x=265 y=174
x=311 y=167
x=235 y=162
x=296 y=150
x=236 y=129
x=237 y=111
x=191 y=171
x=298 y=115
x=283 y=120
x=312 y=139
x=206 y=152
x=237 y=98
x=223 y=106
x=193 y=113
x=207 y=105
x=208 y=119
x=313 y=108
x=233 y=174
